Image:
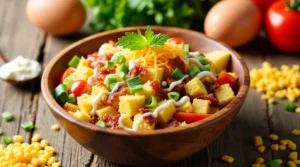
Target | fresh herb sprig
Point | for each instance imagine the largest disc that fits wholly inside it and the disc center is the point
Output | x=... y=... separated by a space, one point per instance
x=136 y=41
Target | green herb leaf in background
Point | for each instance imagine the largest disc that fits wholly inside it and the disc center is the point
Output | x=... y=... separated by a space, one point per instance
x=136 y=41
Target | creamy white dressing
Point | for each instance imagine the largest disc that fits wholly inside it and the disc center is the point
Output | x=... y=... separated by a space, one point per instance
x=159 y=108
x=91 y=78
x=96 y=99
x=98 y=61
x=173 y=84
x=164 y=83
x=195 y=61
x=205 y=73
x=194 y=54
x=120 y=121
x=132 y=63
x=20 y=69
x=114 y=57
x=102 y=47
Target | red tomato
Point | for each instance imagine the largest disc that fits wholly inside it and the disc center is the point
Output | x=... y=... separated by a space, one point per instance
x=67 y=73
x=190 y=117
x=91 y=58
x=282 y=27
x=225 y=78
x=263 y=4
x=176 y=40
x=77 y=87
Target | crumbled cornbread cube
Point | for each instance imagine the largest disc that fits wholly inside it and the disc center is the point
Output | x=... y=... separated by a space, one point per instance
x=228 y=158
x=224 y=94
x=219 y=60
x=195 y=88
x=201 y=106
x=129 y=104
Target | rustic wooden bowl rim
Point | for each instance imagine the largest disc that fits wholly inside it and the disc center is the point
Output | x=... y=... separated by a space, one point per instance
x=243 y=90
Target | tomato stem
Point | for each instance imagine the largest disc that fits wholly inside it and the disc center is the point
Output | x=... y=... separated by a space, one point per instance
x=293 y=4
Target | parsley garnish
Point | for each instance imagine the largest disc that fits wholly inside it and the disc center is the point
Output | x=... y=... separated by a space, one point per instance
x=136 y=41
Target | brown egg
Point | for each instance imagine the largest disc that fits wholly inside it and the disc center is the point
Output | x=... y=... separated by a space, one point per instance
x=58 y=17
x=234 y=22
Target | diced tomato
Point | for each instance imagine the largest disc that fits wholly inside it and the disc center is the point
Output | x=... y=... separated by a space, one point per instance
x=91 y=58
x=176 y=41
x=225 y=78
x=67 y=73
x=78 y=87
x=190 y=117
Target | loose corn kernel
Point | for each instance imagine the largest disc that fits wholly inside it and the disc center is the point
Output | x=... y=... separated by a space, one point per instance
x=263 y=166
x=49 y=149
x=265 y=97
x=296 y=132
x=56 y=164
x=284 y=142
x=260 y=160
x=44 y=143
x=297 y=110
x=282 y=147
x=36 y=138
x=273 y=137
x=279 y=161
x=258 y=141
x=228 y=158
x=18 y=139
x=293 y=155
x=271 y=101
x=51 y=161
x=255 y=165
x=297 y=162
x=55 y=127
x=292 y=146
x=292 y=164
x=261 y=149
x=274 y=147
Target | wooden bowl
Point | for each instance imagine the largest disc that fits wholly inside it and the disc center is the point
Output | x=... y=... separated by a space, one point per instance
x=144 y=147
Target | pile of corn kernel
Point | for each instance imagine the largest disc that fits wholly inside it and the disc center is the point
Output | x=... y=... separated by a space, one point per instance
x=20 y=154
x=281 y=83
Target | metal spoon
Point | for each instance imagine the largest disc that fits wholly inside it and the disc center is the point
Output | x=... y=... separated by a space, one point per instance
x=4 y=60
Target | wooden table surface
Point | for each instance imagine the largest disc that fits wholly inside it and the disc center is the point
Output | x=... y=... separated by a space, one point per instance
x=18 y=36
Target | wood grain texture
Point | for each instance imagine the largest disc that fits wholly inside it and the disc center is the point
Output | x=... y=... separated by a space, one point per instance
x=69 y=153
x=18 y=36
x=282 y=122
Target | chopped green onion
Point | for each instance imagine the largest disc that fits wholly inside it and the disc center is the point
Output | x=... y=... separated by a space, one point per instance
x=205 y=67
x=122 y=75
x=109 y=64
x=173 y=96
x=68 y=82
x=7 y=140
x=203 y=60
x=102 y=124
x=136 y=88
x=177 y=74
x=290 y=106
x=273 y=163
x=71 y=98
x=111 y=80
x=134 y=81
x=186 y=48
x=74 y=62
x=124 y=68
x=27 y=126
x=111 y=86
x=1 y=131
x=151 y=102
x=194 y=71
x=120 y=59
x=60 y=93
x=7 y=116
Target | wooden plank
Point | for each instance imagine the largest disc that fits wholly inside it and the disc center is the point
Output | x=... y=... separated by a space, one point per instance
x=282 y=122
x=69 y=153
x=18 y=36
x=237 y=140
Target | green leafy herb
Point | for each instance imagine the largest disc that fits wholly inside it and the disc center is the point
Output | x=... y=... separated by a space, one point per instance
x=136 y=41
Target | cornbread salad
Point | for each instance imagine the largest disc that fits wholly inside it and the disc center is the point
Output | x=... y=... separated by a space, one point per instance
x=145 y=83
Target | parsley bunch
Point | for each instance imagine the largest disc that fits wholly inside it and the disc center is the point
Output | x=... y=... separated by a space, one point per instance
x=112 y=14
x=136 y=41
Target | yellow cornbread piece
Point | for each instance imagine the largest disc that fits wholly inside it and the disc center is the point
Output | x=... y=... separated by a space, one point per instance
x=82 y=73
x=147 y=90
x=82 y=116
x=107 y=110
x=153 y=74
x=219 y=60
x=224 y=94
x=143 y=125
x=185 y=107
x=166 y=114
x=71 y=107
x=195 y=88
x=129 y=104
x=201 y=106
x=85 y=103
